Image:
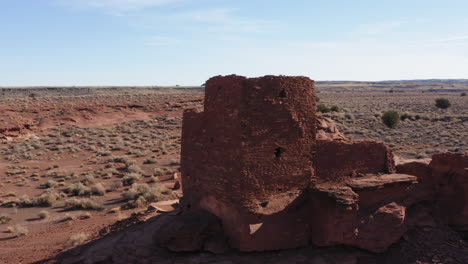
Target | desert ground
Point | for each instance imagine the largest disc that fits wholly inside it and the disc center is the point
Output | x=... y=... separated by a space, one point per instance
x=75 y=160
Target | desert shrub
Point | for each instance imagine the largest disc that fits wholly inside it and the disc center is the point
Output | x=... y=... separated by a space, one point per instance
x=43 y=214
x=4 y=219
x=24 y=200
x=86 y=215
x=50 y=184
x=334 y=108
x=141 y=194
x=43 y=200
x=134 y=169
x=68 y=217
x=76 y=240
x=157 y=172
x=442 y=103
x=85 y=204
x=119 y=159
x=103 y=153
x=153 y=179
x=130 y=178
x=114 y=186
x=21 y=231
x=391 y=119
x=150 y=161
x=46 y=199
x=89 y=179
x=78 y=189
x=405 y=116
x=98 y=189
x=323 y=108
x=174 y=162
x=463 y=94
x=114 y=210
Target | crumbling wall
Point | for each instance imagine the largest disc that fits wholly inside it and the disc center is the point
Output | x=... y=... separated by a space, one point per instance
x=252 y=158
x=338 y=160
x=252 y=141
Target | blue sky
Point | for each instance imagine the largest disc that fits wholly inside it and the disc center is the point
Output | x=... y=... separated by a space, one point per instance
x=185 y=42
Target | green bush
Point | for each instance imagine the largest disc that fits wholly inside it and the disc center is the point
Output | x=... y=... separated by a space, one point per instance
x=391 y=119
x=323 y=108
x=334 y=108
x=442 y=103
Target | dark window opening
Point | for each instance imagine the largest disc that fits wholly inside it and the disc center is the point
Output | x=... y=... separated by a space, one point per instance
x=282 y=94
x=279 y=152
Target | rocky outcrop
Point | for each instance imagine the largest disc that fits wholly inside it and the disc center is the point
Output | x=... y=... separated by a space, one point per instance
x=254 y=159
x=328 y=130
x=444 y=182
x=362 y=212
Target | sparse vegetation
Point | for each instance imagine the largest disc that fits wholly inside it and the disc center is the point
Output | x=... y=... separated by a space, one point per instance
x=130 y=178
x=4 y=219
x=391 y=119
x=442 y=103
x=20 y=231
x=84 y=203
x=76 y=240
x=43 y=214
x=71 y=165
x=141 y=194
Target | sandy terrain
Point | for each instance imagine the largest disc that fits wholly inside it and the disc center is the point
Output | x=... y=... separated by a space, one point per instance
x=61 y=153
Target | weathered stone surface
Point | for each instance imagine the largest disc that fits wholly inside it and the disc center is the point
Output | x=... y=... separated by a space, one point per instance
x=247 y=156
x=382 y=228
x=164 y=206
x=253 y=141
x=445 y=182
x=194 y=230
x=374 y=182
x=252 y=158
x=327 y=129
x=450 y=173
x=366 y=213
x=338 y=160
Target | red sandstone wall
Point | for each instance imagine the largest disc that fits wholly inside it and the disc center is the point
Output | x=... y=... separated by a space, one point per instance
x=252 y=142
x=336 y=160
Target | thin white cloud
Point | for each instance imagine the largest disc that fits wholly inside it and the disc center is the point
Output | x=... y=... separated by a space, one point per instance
x=161 y=41
x=379 y=28
x=225 y=19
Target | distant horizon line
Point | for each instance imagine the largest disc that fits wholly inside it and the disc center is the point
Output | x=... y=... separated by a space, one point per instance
x=188 y=86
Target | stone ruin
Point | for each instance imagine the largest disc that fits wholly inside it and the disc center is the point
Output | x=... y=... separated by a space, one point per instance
x=261 y=171
x=253 y=159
